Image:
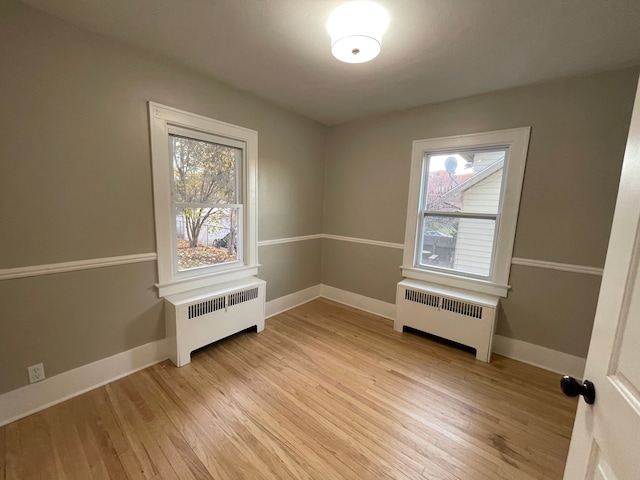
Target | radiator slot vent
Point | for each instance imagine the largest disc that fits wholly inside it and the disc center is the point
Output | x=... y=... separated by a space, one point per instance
x=444 y=303
x=208 y=306
x=244 y=296
x=461 y=308
x=424 y=298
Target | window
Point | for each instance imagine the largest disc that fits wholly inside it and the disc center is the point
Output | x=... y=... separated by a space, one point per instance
x=459 y=208
x=463 y=206
x=206 y=198
x=204 y=174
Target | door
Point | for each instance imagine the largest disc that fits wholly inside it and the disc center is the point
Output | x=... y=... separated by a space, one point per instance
x=606 y=435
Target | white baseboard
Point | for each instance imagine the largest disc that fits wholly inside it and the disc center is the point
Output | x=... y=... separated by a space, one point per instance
x=282 y=304
x=24 y=401
x=538 y=356
x=371 y=305
x=29 y=399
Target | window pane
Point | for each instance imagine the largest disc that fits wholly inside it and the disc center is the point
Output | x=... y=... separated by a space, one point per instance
x=204 y=172
x=439 y=241
x=468 y=181
x=206 y=237
x=461 y=244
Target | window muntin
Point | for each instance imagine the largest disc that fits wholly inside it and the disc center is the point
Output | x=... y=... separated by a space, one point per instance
x=460 y=206
x=206 y=200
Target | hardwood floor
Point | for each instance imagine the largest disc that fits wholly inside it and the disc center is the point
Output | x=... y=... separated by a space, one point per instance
x=325 y=392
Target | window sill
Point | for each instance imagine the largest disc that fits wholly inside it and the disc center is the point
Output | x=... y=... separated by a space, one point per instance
x=192 y=283
x=457 y=281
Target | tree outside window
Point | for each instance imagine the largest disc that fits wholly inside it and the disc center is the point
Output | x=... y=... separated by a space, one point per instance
x=206 y=198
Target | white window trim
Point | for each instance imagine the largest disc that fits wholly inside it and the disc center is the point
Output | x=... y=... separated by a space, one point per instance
x=162 y=119
x=517 y=139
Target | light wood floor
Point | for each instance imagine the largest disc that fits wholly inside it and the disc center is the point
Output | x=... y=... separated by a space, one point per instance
x=325 y=392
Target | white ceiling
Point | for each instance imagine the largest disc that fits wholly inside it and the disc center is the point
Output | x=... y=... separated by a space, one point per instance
x=434 y=50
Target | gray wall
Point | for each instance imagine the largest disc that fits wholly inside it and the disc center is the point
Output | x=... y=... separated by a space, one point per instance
x=75 y=184
x=578 y=136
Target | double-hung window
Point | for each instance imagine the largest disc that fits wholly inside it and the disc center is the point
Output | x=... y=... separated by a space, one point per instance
x=460 y=209
x=206 y=199
x=463 y=206
x=204 y=179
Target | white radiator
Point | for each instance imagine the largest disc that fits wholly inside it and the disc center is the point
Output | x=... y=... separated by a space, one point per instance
x=200 y=317
x=465 y=317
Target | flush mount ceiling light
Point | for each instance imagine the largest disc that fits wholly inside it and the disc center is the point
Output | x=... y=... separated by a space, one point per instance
x=356 y=30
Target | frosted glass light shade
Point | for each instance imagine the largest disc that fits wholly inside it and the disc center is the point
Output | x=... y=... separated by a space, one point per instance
x=356 y=30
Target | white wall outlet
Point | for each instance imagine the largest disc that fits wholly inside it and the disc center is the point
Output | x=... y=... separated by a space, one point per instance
x=36 y=373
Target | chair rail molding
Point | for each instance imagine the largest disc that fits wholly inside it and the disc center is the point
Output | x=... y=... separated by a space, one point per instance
x=51 y=268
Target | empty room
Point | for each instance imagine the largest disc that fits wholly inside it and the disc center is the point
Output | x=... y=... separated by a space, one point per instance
x=319 y=239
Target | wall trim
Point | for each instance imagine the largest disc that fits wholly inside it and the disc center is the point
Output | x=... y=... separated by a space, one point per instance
x=277 y=241
x=543 y=357
x=329 y=236
x=525 y=352
x=32 y=398
x=368 y=304
x=52 y=268
x=282 y=304
x=377 y=243
x=32 y=271
x=564 y=267
x=526 y=262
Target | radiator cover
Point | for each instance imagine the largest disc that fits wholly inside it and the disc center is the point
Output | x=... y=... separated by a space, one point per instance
x=465 y=317
x=200 y=317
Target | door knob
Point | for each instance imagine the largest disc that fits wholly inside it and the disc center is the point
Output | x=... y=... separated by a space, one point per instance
x=571 y=388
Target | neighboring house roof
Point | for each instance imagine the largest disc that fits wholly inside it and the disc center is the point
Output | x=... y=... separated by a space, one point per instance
x=454 y=193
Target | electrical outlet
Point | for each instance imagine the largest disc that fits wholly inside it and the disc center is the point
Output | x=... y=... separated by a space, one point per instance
x=36 y=373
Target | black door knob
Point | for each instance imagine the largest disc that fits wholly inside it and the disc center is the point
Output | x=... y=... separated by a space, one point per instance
x=571 y=388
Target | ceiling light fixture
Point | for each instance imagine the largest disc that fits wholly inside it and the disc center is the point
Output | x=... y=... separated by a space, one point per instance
x=356 y=30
